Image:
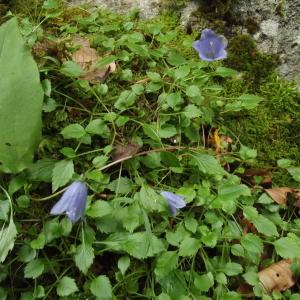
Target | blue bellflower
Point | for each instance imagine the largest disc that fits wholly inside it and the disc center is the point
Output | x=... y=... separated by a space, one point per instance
x=174 y=201
x=72 y=202
x=211 y=46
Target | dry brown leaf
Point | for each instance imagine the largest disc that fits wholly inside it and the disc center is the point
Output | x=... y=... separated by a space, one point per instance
x=87 y=58
x=279 y=195
x=245 y=290
x=123 y=151
x=277 y=277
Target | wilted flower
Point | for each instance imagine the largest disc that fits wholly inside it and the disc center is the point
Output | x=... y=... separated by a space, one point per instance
x=211 y=46
x=174 y=201
x=72 y=202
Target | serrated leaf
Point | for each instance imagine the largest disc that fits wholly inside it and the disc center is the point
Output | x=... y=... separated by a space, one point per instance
x=66 y=286
x=84 y=257
x=62 y=173
x=165 y=263
x=101 y=287
x=123 y=263
x=189 y=246
x=7 y=239
x=99 y=209
x=207 y=164
x=34 y=269
x=204 y=282
x=287 y=247
x=295 y=172
x=125 y=100
x=73 y=131
x=71 y=69
x=98 y=127
x=122 y=185
x=167 y=131
x=232 y=269
x=21 y=101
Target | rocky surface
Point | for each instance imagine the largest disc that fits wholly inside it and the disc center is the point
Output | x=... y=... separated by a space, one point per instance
x=277 y=22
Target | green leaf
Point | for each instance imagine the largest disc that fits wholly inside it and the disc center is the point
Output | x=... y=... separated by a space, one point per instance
x=189 y=246
x=122 y=185
x=125 y=100
x=193 y=91
x=207 y=164
x=101 y=287
x=225 y=72
x=62 y=173
x=262 y=224
x=123 y=264
x=284 y=163
x=247 y=153
x=150 y=131
x=253 y=246
x=251 y=278
x=249 y=101
x=99 y=209
x=21 y=101
x=34 y=269
x=175 y=59
x=84 y=257
x=229 y=191
x=39 y=242
x=169 y=159
x=181 y=72
x=166 y=263
x=26 y=253
x=192 y=111
x=287 y=247
x=204 y=282
x=174 y=100
x=167 y=131
x=66 y=286
x=295 y=172
x=71 y=69
x=98 y=127
x=232 y=269
x=73 y=131
x=105 y=61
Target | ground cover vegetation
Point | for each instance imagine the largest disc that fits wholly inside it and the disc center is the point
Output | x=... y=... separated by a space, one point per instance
x=133 y=169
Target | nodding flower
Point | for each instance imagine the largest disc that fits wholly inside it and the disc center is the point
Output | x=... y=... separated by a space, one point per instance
x=211 y=46
x=174 y=202
x=73 y=201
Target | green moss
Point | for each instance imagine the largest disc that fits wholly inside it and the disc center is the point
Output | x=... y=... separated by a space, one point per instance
x=273 y=128
x=244 y=56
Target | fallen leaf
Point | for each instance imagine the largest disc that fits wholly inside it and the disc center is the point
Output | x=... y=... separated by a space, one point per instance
x=277 y=277
x=279 y=195
x=245 y=290
x=123 y=151
x=87 y=58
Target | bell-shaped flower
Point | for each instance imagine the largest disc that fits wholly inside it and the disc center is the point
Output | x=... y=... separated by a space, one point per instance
x=211 y=46
x=174 y=201
x=73 y=201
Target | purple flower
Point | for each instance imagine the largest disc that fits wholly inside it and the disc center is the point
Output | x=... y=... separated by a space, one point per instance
x=72 y=202
x=211 y=46
x=174 y=201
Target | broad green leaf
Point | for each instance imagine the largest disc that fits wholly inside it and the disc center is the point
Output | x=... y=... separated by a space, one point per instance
x=232 y=269
x=181 y=72
x=175 y=59
x=39 y=242
x=262 y=223
x=62 y=173
x=84 y=257
x=204 y=282
x=251 y=278
x=21 y=101
x=192 y=111
x=99 y=209
x=166 y=263
x=253 y=246
x=101 y=287
x=125 y=100
x=225 y=72
x=189 y=246
x=26 y=253
x=98 y=127
x=34 y=269
x=71 y=69
x=73 y=131
x=169 y=159
x=174 y=100
x=284 y=163
x=207 y=164
x=287 y=247
x=295 y=172
x=122 y=185
x=105 y=61
x=66 y=286
x=167 y=131
x=249 y=101
x=124 y=263
x=151 y=132
x=193 y=91
x=229 y=191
